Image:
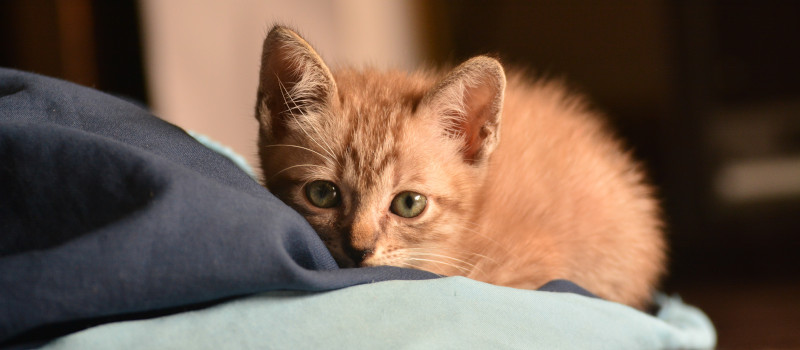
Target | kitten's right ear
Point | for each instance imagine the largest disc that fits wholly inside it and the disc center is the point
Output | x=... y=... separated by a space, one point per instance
x=468 y=104
x=293 y=81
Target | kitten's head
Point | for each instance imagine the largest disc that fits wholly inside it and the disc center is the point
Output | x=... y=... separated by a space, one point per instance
x=385 y=166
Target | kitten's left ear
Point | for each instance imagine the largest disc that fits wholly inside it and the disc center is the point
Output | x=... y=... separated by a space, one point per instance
x=469 y=103
x=293 y=81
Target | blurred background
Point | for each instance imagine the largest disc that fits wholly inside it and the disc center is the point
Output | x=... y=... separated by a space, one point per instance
x=706 y=92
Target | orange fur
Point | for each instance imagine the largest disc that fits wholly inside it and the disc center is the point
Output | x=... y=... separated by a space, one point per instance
x=524 y=184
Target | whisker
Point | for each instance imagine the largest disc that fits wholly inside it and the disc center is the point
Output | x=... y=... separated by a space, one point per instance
x=295 y=166
x=301 y=147
x=489 y=239
x=468 y=267
x=284 y=94
x=462 y=269
x=459 y=251
x=305 y=183
x=405 y=264
x=420 y=253
x=325 y=145
x=467 y=263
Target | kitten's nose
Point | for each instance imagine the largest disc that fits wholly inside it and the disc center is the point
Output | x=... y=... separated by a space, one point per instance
x=358 y=255
x=359 y=243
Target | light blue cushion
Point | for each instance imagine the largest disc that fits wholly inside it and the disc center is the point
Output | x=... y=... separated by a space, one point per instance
x=448 y=313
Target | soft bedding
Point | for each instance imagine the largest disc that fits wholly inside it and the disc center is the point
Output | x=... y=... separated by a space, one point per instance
x=447 y=313
x=108 y=214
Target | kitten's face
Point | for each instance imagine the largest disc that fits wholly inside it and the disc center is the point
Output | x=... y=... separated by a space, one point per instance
x=385 y=166
x=373 y=176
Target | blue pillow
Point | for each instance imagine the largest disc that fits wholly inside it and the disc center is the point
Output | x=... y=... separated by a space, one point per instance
x=446 y=313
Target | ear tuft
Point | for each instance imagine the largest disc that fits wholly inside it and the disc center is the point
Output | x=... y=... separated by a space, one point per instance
x=293 y=80
x=468 y=103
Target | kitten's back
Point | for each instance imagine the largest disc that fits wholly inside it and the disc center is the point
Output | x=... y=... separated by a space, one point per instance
x=563 y=200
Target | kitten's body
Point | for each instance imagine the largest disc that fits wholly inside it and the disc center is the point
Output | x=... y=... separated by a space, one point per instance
x=549 y=195
x=565 y=201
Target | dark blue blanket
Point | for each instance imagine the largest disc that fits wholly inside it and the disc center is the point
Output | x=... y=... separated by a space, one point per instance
x=108 y=213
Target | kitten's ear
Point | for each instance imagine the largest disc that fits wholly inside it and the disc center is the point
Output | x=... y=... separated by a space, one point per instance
x=468 y=103
x=293 y=80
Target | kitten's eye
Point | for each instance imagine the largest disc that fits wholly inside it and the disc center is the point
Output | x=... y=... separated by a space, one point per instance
x=408 y=204
x=323 y=194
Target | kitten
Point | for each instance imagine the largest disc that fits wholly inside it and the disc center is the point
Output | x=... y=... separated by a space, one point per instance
x=410 y=169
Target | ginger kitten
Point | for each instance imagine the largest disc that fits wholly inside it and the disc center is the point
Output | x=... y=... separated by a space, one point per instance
x=476 y=172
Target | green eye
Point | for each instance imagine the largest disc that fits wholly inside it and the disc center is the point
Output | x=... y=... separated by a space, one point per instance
x=408 y=204
x=323 y=194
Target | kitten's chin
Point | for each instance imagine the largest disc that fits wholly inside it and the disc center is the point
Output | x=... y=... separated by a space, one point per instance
x=344 y=263
x=347 y=263
x=368 y=263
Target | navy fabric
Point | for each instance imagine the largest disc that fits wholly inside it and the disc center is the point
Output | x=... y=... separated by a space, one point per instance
x=108 y=213
x=564 y=286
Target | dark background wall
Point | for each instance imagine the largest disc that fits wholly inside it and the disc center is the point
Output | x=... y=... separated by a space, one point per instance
x=700 y=90
x=93 y=43
x=694 y=87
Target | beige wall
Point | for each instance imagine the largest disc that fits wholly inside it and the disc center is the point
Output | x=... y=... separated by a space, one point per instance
x=202 y=56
